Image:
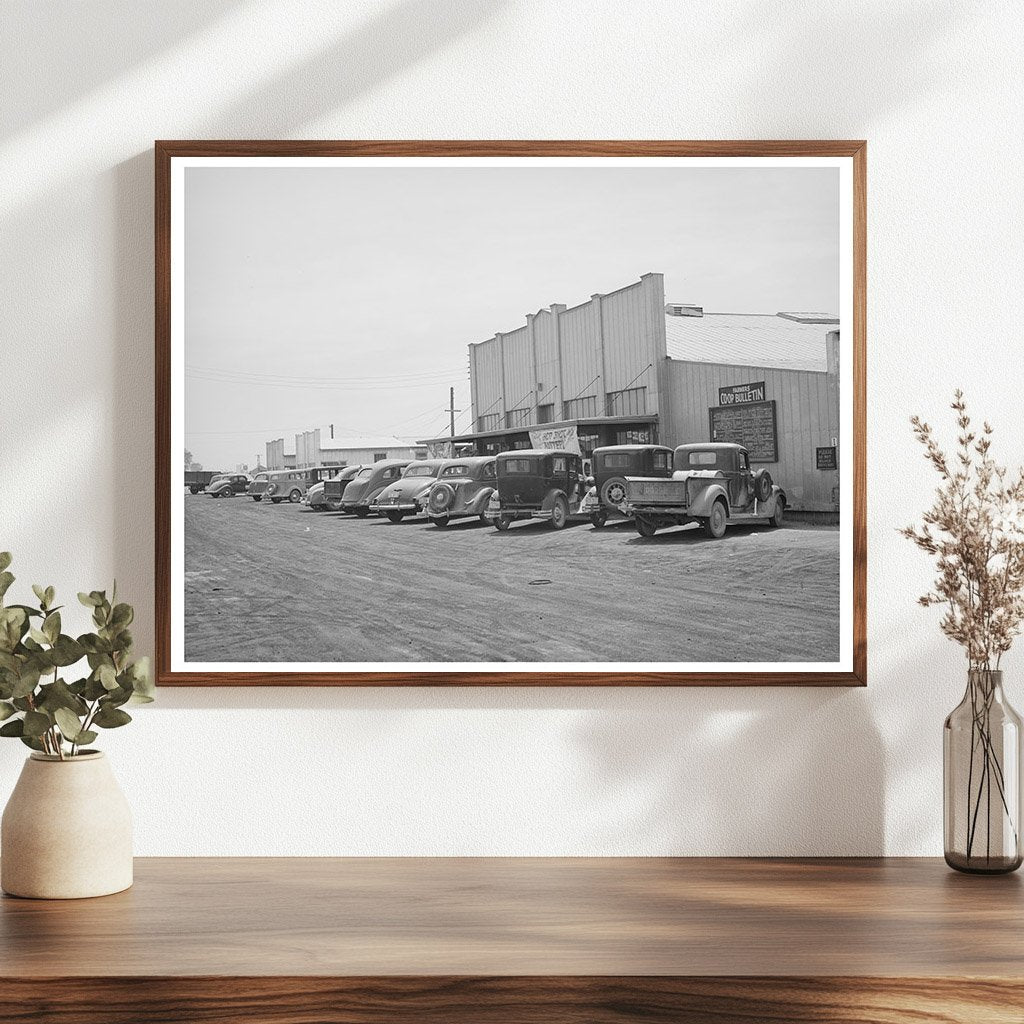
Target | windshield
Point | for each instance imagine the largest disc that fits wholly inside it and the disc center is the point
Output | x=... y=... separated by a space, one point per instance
x=421 y=471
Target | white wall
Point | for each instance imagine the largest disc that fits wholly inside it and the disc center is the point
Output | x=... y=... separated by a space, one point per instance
x=935 y=87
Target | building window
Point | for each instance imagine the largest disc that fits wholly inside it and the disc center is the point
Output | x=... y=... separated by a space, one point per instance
x=545 y=413
x=640 y=436
x=631 y=402
x=588 y=442
x=379 y=456
x=580 y=408
x=520 y=444
x=517 y=418
x=485 y=423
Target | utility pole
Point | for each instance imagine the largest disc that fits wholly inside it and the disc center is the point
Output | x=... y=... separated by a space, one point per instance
x=451 y=410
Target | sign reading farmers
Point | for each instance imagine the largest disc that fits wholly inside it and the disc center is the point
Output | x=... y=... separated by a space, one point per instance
x=741 y=394
x=563 y=439
x=751 y=424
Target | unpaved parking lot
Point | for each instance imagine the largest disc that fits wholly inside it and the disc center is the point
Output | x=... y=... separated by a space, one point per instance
x=281 y=583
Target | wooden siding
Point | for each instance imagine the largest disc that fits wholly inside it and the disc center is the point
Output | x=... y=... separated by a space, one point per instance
x=807 y=410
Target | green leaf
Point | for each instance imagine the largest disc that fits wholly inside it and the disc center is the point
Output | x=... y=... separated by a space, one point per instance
x=86 y=736
x=31 y=741
x=107 y=676
x=111 y=718
x=6 y=579
x=89 y=600
x=59 y=695
x=66 y=651
x=38 y=635
x=36 y=723
x=40 y=593
x=122 y=616
x=13 y=626
x=13 y=728
x=6 y=710
x=51 y=626
x=5 y=560
x=94 y=644
x=50 y=595
x=69 y=724
x=27 y=681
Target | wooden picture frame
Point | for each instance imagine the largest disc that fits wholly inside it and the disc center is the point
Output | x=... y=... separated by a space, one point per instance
x=852 y=446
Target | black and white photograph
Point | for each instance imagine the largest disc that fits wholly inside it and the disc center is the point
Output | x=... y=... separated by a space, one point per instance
x=559 y=414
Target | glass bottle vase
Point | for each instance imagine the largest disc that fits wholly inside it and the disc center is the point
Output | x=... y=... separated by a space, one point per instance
x=981 y=772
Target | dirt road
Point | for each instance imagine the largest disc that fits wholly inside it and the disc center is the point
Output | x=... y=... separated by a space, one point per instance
x=282 y=583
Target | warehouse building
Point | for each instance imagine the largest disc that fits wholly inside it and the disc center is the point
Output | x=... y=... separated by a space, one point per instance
x=318 y=447
x=628 y=368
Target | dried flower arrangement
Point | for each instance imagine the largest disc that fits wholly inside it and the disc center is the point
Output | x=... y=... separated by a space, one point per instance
x=975 y=530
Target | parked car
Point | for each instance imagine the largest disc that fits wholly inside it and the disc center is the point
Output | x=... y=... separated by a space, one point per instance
x=368 y=483
x=536 y=484
x=258 y=486
x=711 y=484
x=334 y=487
x=288 y=484
x=227 y=485
x=463 y=488
x=609 y=468
x=407 y=496
x=197 y=480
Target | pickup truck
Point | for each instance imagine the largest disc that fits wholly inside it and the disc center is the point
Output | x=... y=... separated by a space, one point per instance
x=711 y=484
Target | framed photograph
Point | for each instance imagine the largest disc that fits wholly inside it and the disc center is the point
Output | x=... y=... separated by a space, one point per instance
x=510 y=413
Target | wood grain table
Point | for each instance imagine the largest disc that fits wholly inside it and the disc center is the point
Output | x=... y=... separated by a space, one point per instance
x=501 y=941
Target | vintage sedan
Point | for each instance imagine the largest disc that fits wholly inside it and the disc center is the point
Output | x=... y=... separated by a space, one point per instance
x=463 y=488
x=408 y=495
x=609 y=468
x=368 y=483
x=258 y=486
x=536 y=483
x=711 y=484
x=228 y=485
x=334 y=487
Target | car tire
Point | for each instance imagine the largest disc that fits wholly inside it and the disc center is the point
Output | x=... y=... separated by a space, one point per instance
x=395 y=517
x=257 y=497
x=613 y=491
x=502 y=523
x=194 y=490
x=441 y=521
x=599 y=518
x=277 y=501
x=483 y=517
x=295 y=496
x=779 y=514
x=559 y=513
x=645 y=527
x=362 y=513
x=762 y=485
x=715 y=524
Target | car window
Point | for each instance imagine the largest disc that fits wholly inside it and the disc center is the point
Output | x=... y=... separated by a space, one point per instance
x=488 y=471
x=518 y=465
x=558 y=464
x=744 y=464
x=661 y=460
x=702 y=458
x=455 y=471
x=421 y=471
x=364 y=473
x=616 y=460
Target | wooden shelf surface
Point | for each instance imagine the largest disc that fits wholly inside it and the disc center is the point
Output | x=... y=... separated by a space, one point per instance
x=383 y=934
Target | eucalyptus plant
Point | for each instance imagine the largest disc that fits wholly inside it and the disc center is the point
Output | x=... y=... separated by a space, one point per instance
x=37 y=704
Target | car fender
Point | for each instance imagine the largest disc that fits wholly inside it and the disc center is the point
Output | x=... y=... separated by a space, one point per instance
x=479 y=501
x=549 y=499
x=705 y=497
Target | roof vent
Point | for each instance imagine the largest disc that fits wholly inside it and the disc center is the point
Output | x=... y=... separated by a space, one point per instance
x=682 y=309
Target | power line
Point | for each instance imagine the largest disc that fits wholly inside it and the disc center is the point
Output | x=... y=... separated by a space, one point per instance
x=278 y=377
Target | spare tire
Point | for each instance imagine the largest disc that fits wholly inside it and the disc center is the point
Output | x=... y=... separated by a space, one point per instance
x=613 y=491
x=441 y=497
x=762 y=485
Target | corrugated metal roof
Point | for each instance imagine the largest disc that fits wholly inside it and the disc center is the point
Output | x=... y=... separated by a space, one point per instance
x=328 y=443
x=748 y=339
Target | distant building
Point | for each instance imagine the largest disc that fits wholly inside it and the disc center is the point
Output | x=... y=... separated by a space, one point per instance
x=317 y=448
x=628 y=368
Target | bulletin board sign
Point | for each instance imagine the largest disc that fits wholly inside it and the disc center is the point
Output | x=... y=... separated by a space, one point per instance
x=751 y=424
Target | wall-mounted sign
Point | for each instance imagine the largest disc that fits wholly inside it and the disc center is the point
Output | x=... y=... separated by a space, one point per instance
x=751 y=424
x=826 y=458
x=741 y=394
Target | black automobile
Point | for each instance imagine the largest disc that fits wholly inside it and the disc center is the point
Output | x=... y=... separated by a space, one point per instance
x=536 y=484
x=609 y=468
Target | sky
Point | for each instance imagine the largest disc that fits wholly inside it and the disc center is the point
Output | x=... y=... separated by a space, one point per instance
x=349 y=295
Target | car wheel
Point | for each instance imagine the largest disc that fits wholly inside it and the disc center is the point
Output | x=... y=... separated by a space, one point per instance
x=599 y=518
x=362 y=513
x=559 y=513
x=483 y=517
x=277 y=501
x=395 y=517
x=614 y=491
x=441 y=520
x=295 y=496
x=257 y=497
x=777 y=515
x=645 y=527
x=502 y=523
x=194 y=490
x=714 y=525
